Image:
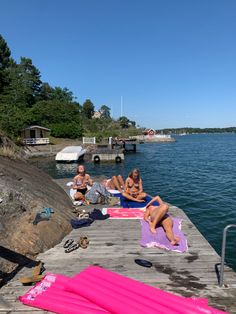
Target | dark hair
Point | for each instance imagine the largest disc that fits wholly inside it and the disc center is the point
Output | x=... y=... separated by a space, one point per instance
x=131 y=173
x=80 y=166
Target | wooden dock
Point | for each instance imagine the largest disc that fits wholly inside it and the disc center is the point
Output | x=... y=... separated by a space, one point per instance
x=114 y=244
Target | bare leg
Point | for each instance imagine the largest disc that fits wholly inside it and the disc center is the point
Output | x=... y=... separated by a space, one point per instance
x=78 y=196
x=131 y=198
x=141 y=196
x=111 y=184
x=116 y=183
x=121 y=181
x=156 y=216
x=168 y=226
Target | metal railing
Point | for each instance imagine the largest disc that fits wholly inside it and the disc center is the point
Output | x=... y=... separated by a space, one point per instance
x=89 y=140
x=221 y=281
x=36 y=141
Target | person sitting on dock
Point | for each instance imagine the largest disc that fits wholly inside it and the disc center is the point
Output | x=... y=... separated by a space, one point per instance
x=155 y=215
x=81 y=182
x=115 y=183
x=134 y=187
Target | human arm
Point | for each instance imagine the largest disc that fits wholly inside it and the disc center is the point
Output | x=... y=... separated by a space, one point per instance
x=140 y=186
x=89 y=181
x=156 y=198
x=126 y=187
x=75 y=186
x=146 y=215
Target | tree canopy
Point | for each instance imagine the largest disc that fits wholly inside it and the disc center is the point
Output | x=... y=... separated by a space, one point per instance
x=26 y=100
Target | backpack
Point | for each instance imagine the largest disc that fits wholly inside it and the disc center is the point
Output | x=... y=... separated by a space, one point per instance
x=98 y=194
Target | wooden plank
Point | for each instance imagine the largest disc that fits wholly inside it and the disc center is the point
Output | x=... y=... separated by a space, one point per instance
x=114 y=244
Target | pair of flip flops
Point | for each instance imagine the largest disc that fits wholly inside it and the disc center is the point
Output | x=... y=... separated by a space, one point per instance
x=83 y=215
x=36 y=274
x=71 y=245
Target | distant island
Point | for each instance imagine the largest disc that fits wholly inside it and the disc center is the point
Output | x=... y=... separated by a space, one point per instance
x=196 y=130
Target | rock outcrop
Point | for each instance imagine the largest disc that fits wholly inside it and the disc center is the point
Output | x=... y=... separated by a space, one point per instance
x=24 y=191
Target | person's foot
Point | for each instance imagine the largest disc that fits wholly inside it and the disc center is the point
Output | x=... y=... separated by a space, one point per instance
x=175 y=241
x=140 y=201
x=152 y=228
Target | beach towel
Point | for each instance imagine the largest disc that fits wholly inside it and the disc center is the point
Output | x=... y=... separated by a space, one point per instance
x=131 y=204
x=159 y=239
x=124 y=213
x=98 y=291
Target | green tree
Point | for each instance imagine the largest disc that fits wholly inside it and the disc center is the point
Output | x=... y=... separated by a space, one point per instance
x=124 y=122
x=5 y=54
x=62 y=94
x=46 y=92
x=105 y=112
x=88 y=109
x=24 y=83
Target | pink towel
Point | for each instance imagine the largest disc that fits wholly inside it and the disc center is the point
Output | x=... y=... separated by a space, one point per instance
x=124 y=213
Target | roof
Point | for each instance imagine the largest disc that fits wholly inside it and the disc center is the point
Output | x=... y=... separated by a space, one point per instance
x=37 y=127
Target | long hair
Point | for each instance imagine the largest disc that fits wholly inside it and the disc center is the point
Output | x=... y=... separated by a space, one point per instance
x=132 y=172
x=78 y=169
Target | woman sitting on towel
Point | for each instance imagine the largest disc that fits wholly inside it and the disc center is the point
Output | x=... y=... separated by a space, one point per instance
x=81 y=182
x=155 y=215
x=134 y=187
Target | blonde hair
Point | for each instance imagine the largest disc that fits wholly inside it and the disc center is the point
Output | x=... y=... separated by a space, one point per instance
x=132 y=173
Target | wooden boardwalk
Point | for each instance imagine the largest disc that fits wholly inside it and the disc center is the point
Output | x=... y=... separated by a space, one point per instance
x=114 y=244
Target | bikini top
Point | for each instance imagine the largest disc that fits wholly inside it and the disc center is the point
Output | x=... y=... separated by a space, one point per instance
x=136 y=185
x=81 y=181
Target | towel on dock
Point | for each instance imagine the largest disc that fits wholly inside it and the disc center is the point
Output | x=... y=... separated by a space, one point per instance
x=124 y=213
x=99 y=291
x=131 y=204
x=159 y=239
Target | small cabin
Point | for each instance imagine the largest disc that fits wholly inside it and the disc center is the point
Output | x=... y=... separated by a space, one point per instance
x=35 y=135
x=149 y=132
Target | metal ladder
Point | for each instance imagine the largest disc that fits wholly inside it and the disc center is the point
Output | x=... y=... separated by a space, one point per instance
x=221 y=281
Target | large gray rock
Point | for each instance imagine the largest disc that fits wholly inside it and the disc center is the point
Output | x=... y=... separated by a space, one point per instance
x=24 y=191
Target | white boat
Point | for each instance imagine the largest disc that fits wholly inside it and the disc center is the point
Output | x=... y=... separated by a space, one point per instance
x=71 y=153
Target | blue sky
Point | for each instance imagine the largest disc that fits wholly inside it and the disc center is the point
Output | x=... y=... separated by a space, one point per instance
x=173 y=62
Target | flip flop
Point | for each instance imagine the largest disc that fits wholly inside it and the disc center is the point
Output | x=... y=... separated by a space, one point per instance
x=73 y=247
x=143 y=262
x=30 y=280
x=84 y=242
x=68 y=243
x=38 y=269
x=83 y=215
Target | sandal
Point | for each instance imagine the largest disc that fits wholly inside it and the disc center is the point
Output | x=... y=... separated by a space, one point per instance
x=84 y=242
x=30 y=280
x=68 y=243
x=73 y=247
x=38 y=269
x=83 y=215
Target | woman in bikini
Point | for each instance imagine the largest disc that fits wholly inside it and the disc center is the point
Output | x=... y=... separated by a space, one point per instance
x=81 y=182
x=134 y=187
x=155 y=215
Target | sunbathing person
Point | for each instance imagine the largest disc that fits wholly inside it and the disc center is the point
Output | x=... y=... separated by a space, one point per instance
x=155 y=215
x=81 y=182
x=115 y=183
x=134 y=187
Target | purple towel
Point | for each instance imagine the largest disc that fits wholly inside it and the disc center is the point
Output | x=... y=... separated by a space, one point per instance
x=159 y=239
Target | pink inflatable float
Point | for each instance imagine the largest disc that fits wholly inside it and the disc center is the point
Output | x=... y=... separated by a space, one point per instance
x=96 y=290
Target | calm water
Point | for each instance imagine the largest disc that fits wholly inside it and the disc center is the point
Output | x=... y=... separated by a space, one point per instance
x=196 y=173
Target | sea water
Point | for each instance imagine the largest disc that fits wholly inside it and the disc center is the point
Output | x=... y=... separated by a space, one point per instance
x=196 y=173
